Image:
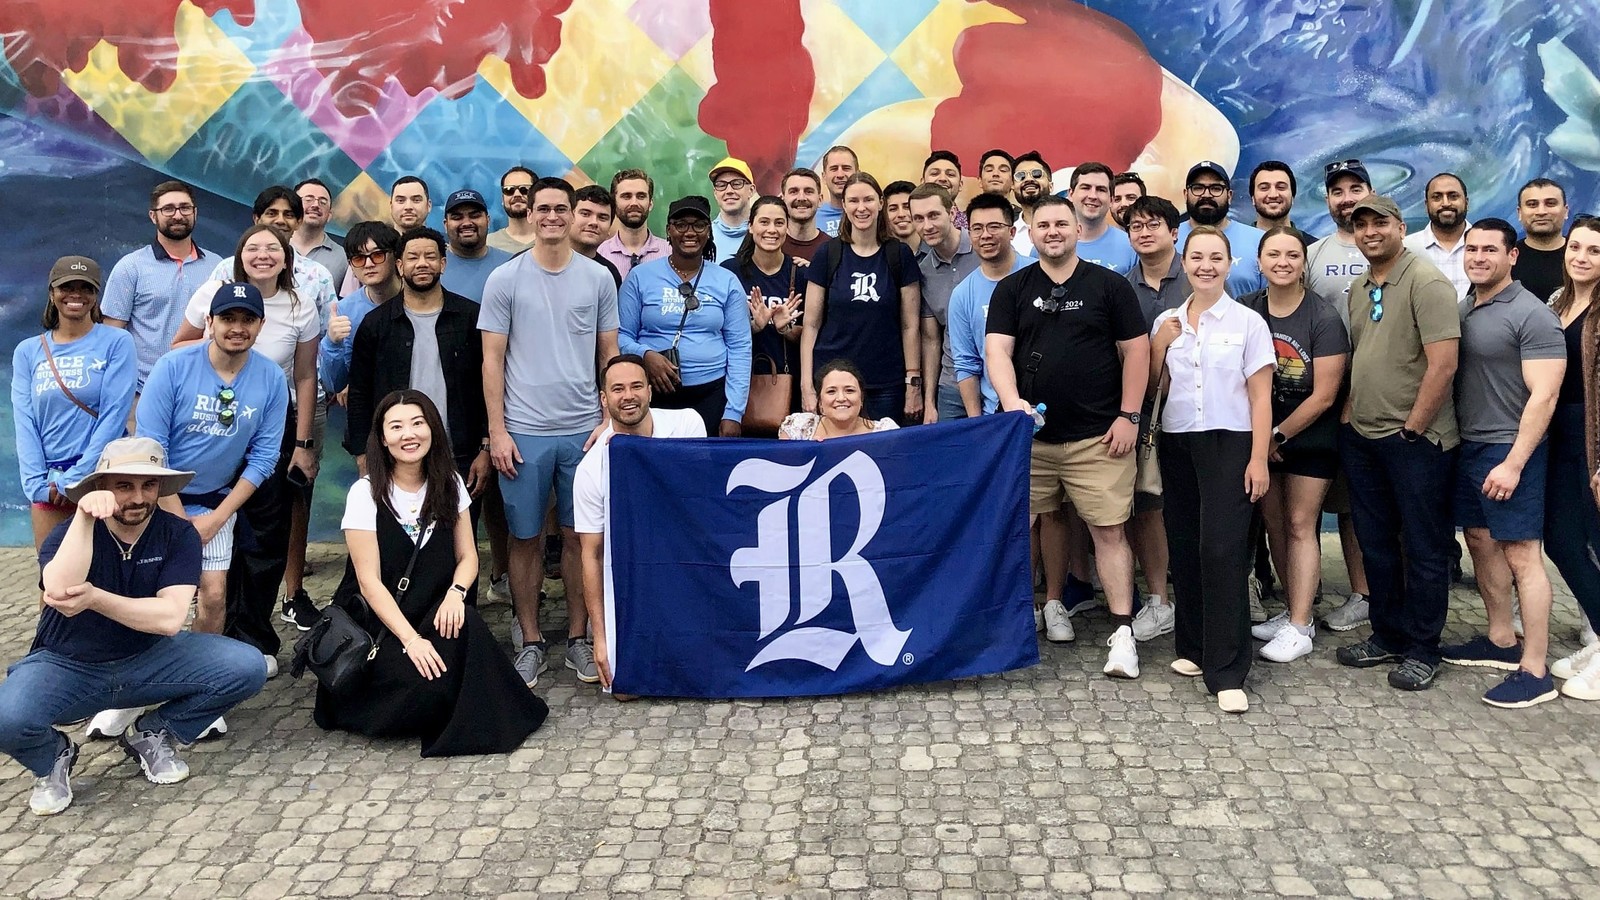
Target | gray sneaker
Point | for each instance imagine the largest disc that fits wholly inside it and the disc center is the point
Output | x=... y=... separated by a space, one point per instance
x=53 y=792
x=580 y=659
x=530 y=663
x=1355 y=613
x=1258 y=611
x=157 y=754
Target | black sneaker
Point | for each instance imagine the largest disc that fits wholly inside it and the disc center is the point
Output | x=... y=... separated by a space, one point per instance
x=299 y=611
x=1365 y=654
x=1413 y=675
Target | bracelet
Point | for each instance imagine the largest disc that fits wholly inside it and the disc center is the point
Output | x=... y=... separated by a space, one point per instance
x=405 y=649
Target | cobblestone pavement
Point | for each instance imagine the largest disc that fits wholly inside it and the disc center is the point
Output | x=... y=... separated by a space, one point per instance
x=1053 y=781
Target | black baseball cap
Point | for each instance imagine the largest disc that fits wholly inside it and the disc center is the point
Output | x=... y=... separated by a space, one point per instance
x=1344 y=167
x=238 y=295
x=1206 y=165
x=691 y=205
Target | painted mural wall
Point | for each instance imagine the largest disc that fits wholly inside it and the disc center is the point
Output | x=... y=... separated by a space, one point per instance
x=100 y=100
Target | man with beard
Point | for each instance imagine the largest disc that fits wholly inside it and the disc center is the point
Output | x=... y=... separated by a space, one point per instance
x=838 y=164
x=1334 y=262
x=994 y=172
x=801 y=191
x=734 y=189
x=118 y=577
x=516 y=186
x=1098 y=241
x=149 y=288
x=591 y=224
x=625 y=394
x=634 y=194
x=1125 y=188
x=466 y=224
x=1208 y=197
x=897 y=209
x=311 y=238
x=1542 y=208
x=1032 y=175
x=1272 y=192
x=1443 y=242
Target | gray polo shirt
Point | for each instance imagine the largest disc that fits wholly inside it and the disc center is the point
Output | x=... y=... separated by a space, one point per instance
x=939 y=280
x=1155 y=301
x=1496 y=337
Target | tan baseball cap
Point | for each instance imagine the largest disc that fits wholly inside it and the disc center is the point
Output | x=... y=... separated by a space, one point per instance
x=75 y=268
x=131 y=456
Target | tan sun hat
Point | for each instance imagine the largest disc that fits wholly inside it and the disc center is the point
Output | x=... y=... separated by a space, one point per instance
x=131 y=456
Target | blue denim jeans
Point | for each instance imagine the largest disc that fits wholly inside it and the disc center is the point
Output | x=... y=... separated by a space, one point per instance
x=1400 y=501
x=950 y=406
x=193 y=678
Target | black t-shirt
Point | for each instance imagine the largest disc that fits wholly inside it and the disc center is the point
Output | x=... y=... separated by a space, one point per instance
x=1539 y=271
x=1314 y=329
x=1572 y=382
x=1079 y=373
x=774 y=291
x=167 y=554
x=861 y=317
x=615 y=275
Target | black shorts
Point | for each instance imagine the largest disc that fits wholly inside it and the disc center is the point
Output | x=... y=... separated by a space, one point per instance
x=1322 y=464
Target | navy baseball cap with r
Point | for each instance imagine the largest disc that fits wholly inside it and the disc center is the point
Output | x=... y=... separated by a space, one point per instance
x=238 y=295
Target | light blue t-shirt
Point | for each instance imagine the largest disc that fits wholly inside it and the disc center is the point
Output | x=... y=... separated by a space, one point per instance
x=468 y=276
x=969 y=317
x=1111 y=250
x=1245 y=275
x=180 y=408
x=333 y=359
x=727 y=238
x=552 y=322
x=716 y=340
x=149 y=290
x=828 y=217
x=56 y=440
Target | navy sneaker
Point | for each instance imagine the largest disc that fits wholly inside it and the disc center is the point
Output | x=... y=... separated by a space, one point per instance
x=1078 y=596
x=1521 y=689
x=1483 y=653
x=1413 y=675
x=1365 y=655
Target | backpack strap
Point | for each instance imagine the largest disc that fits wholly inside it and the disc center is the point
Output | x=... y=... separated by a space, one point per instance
x=65 y=392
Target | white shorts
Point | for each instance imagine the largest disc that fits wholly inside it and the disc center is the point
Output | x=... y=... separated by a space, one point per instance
x=217 y=554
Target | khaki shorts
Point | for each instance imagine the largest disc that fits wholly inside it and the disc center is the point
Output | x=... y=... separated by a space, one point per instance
x=1084 y=474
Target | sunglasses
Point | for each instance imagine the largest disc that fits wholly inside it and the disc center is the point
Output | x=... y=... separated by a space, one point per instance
x=376 y=257
x=1343 y=165
x=691 y=300
x=1058 y=296
x=227 y=399
x=1035 y=174
x=523 y=189
x=1376 y=296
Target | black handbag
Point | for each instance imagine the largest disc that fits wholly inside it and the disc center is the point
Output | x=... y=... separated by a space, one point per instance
x=337 y=649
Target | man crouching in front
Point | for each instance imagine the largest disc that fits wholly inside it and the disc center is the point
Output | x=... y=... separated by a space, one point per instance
x=118 y=578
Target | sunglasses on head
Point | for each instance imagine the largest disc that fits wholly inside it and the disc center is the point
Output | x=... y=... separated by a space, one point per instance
x=1342 y=165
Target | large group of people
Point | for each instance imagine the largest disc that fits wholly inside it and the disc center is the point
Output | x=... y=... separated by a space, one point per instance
x=1203 y=388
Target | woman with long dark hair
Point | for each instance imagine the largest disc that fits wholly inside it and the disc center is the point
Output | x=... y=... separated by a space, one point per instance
x=776 y=287
x=438 y=673
x=71 y=390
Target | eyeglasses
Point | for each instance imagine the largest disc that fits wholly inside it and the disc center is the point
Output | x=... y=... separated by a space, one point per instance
x=1376 y=296
x=227 y=400
x=690 y=226
x=375 y=258
x=1138 y=225
x=989 y=228
x=523 y=189
x=1035 y=174
x=730 y=184
x=1058 y=296
x=691 y=300
x=1343 y=165
x=170 y=210
x=1207 y=190
x=313 y=201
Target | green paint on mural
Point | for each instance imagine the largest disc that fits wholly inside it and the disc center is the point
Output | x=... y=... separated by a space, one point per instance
x=661 y=135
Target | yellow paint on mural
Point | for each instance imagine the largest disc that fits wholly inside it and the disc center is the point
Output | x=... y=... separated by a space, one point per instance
x=892 y=138
x=606 y=64
x=927 y=53
x=698 y=63
x=844 y=56
x=209 y=66
x=362 y=200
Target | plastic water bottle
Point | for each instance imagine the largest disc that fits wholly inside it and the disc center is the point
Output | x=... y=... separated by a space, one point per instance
x=1038 y=418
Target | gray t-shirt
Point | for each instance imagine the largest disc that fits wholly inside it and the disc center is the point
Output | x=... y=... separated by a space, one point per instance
x=427 y=370
x=939 y=280
x=1496 y=337
x=552 y=322
x=1331 y=267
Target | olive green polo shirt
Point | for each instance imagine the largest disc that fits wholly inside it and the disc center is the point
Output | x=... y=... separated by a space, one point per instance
x=1386 y=369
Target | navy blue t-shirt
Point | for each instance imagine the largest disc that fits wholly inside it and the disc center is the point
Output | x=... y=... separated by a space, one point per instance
x=861 y=320
x=775 y=291
x=168 y=553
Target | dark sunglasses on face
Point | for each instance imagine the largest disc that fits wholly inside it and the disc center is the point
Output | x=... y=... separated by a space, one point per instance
x=1025 y=174
x=523 y=189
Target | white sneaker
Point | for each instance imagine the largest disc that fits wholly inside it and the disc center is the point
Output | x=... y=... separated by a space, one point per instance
x=1585 y=685
x=215 y=729
x=1123 y=660
x=1586 y=635
x=111 y=723
x=1258 y=612
x=1154 y=620
x=1269 y=629
x=1057 y=628
x=1038 y=619
x=1569 y=667
x=1288 y=645
x=272 y=665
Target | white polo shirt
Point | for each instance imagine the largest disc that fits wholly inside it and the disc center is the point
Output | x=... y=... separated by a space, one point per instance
x=1208 y=367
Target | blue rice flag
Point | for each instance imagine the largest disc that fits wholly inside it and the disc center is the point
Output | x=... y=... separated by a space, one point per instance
x=794 y=568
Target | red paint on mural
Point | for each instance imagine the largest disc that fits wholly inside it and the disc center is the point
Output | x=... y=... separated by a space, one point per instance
x=1072 y=83
x=762 y=99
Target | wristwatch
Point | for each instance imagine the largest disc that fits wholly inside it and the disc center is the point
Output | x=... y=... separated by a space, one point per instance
x=306 y=444
x=1278 y=437
x=1409 y=436
x=1130 y=416
x=914 y=380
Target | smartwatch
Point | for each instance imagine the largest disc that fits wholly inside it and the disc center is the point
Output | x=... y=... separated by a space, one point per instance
x=914 y=380
x=1409 y=436
x=1278 y=437
x=1130 y=416
x=306 y=444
